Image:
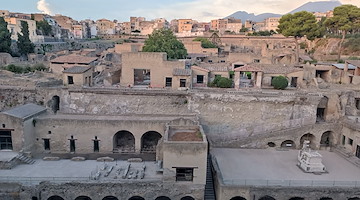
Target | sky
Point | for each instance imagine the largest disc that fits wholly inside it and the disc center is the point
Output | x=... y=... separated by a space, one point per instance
x=201 y=10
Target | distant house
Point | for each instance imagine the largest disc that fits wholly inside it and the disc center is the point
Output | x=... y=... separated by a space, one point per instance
x=78 y=76
x=59 y=64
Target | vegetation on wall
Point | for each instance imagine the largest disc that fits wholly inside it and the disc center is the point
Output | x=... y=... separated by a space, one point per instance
x=221 y=82
x=44 y=27
x=205 y=43
x=24 y=44
x=24 y=69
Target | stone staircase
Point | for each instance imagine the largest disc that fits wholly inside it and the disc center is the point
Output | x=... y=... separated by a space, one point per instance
x=25 y=159
x=346 y=155
x=209 y=193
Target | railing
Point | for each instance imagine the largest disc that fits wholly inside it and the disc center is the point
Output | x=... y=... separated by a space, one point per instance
x=292 y=183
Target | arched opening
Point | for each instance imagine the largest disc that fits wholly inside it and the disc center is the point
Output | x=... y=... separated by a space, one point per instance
x=124 y=141
x=163 y=198
x=34 y=198
x=187 y=198
x=149 y=141
x=55 y=198
x=83 y=198
x=136 y=198
x=310 y=138
x=267 y=198
x=289 y=144
x=110 y=198
x=55 y=106
x=238 y=198
x=354 y=198
x=321 y=110
x=271 y=144
x=327 y=139
x=326 y=198
x=297 y=198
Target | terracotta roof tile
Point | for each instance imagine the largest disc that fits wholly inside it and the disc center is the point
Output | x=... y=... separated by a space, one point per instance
x=76 y=70
x=181 y=72
x=74 y=59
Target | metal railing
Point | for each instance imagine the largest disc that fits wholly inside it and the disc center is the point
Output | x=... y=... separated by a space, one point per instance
x=292 y=183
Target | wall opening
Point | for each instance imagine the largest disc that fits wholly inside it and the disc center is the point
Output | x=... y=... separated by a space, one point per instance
x=83 y=198
x=296 y=198
x=110 y=198
x=271 y=144
x=72 y=144
x=187 y=198
x=321 y=110
x=34 y=198
x=354 y=198
x=182 y=82
x=326 y=139
x=289 y=144
x=357 y=151
x=96 y=144
x=168 y=82
x=136 y=198
x=310 y=138
x=5 y=140
x=326 y=198
x=357 y=103
x=46 y=144
x=162 y=198
x=149 y=141
x=55 y=198
x=55 y=103
x=238 y=198
x=142 y=77
x=124 y=141
x=200 y=79
x=293 y=82
x=184 y=174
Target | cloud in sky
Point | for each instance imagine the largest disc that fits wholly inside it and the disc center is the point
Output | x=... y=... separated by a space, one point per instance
x=44 y=7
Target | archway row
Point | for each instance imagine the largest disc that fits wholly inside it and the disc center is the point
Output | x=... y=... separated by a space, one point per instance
x=124 y=142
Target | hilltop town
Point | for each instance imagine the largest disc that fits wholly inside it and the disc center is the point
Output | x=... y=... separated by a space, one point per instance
x=180 y=110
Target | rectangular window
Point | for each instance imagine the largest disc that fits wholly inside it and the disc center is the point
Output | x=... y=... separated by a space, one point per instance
x=343 y=140
x=168 y=82
x=46 y=144
x=184 y=174
x=70 y=80
x=96 y=146
x=199 y=79
x=182 y=82
x=72 y=145
x=350 y=141
x=5 y=140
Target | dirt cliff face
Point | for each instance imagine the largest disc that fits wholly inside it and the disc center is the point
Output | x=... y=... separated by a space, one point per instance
x=326 y=46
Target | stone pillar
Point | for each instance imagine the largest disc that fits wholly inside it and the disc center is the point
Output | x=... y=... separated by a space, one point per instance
x=237 y=80
x=137 y=142
x=258 y=79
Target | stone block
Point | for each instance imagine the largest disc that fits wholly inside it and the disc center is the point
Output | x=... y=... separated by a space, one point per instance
x=134 y=160
x=51 y=158
x=105 y=159
x=78 y=159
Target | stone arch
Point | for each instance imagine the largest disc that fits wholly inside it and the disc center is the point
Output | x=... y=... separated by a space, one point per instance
x=55 y=197
x=110 y=198
x=124 y=141
x=187 y=198
x=288 y=144
x=271 y=144
x=267 y=198
x=149 y=140
x=83 y=198
x=327 y=139
x=136 y=198
x=162 y=198
x=310 y=137
x=326 y=198
x=55 y=103
x=296 y=198
x=238 y=198
x=321 y=109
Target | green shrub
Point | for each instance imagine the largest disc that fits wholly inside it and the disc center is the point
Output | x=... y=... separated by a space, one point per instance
x=280 y=82
x=224 y=83
x=14 y=68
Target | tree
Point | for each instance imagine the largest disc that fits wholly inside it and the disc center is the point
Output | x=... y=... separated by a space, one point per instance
x=24 y=44
x=5 y=37
x=298 y=25
x=163 y=40
x=205 y=43
x=243 y=29
x=346 y=19
x=280 y=82
x=44 y=27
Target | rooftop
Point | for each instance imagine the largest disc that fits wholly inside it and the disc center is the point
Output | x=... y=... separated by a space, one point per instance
x=74 y=59
x=272 y=167
x=76 y=70
x=181 y=72
x=25 y=111
x=79 y=171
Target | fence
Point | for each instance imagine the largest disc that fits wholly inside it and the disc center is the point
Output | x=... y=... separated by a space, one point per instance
x=292 y=183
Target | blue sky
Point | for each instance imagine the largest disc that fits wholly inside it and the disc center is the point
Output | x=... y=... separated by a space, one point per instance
x=202 y=10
